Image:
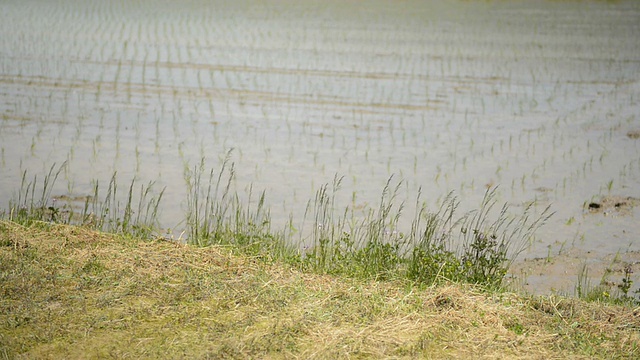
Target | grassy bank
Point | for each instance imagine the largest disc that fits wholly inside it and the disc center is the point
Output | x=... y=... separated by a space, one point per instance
x=70 y=292
x=475 y=247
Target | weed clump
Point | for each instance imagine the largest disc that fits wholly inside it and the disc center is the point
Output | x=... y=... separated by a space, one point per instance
x=607 y=290
x=136 y=216
x=365 y=248
x=439 y=247
x=217 y=216
x=471 y=248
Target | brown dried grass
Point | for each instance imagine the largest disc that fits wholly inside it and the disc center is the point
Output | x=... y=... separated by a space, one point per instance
x=69 y=292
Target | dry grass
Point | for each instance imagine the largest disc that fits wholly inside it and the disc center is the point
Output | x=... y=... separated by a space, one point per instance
x=68 y=292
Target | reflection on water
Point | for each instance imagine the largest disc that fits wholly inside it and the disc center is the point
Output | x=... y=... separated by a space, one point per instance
x=536 y=98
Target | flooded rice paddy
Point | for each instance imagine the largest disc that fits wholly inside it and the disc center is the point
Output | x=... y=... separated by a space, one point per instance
x=541 y=99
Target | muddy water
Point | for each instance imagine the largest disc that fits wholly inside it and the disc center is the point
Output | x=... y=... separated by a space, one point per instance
x=539 y=98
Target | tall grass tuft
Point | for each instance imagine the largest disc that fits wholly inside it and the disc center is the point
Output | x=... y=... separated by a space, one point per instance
x=370 y=247
x=381 y=253
x=35 y=204
x=433 y=256
x=477 y=247
x=472 y=248
x=216 y=215
x=489 y=247
x=108 y=214
x=328 y=244
x=205 y=219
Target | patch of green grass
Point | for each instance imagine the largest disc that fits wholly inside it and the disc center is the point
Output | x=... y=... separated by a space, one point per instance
x=441 y=245
x=217 y=216
x=606 y=290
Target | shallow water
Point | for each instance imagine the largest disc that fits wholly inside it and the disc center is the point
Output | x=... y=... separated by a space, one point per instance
x=534 y=97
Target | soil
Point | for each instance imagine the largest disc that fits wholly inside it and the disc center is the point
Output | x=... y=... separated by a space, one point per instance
x=560 y=273
x=621 y=205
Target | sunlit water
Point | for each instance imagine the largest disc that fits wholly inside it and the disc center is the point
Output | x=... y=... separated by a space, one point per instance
x=537 y=98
